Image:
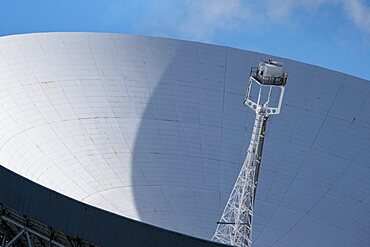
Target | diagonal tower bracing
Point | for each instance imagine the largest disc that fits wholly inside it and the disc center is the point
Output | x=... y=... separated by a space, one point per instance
x=264 y=96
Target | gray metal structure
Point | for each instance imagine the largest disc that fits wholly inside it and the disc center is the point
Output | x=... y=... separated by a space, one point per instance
x=154 y=129
x=16 y=229
x=236 y=223
x=32 y=215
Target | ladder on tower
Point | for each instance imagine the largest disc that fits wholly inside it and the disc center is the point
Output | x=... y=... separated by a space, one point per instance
x=235 y=225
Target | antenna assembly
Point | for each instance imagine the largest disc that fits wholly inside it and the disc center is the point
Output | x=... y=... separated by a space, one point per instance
x=264 y=96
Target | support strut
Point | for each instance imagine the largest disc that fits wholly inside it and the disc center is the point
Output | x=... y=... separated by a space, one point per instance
x=235 y=225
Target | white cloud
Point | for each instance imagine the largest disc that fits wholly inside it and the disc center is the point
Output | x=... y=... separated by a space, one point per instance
x=359 y=13
x=356 y=10
x=202 y=18
x=277 y=10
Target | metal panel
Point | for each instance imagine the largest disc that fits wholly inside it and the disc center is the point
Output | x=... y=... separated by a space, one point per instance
x=28 y=209
x=154 y=129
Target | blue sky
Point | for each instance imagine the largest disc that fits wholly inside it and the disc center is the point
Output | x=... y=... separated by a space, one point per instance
x=331 y=33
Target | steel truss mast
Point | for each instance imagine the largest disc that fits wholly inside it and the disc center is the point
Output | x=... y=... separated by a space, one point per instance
x=264 y=96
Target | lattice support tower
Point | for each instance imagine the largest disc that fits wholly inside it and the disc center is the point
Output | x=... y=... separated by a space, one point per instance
x=16 y=229
x=264 y=96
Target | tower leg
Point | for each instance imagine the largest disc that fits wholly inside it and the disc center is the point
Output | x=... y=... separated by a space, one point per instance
x=235 y=225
